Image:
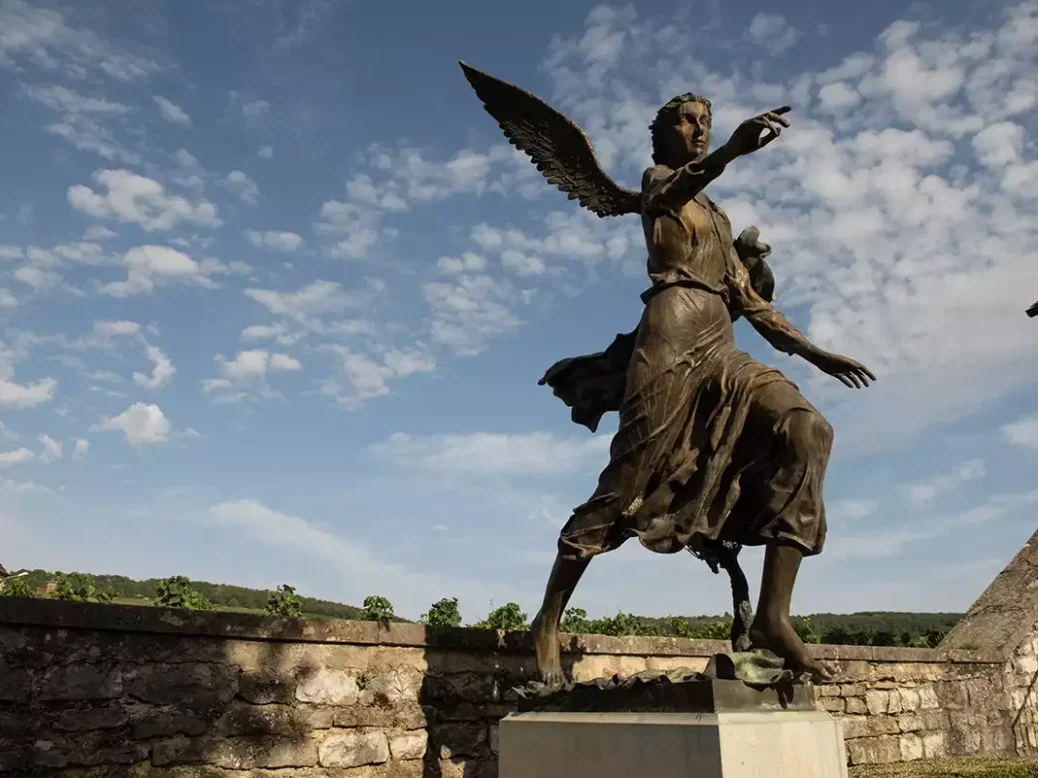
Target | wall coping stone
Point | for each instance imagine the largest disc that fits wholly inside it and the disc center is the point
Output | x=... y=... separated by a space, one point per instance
x=57 y=614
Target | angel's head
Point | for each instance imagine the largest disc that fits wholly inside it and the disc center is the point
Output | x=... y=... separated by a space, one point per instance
x=681 y=131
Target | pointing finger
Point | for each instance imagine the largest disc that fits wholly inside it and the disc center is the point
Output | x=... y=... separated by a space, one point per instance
x=782 y=110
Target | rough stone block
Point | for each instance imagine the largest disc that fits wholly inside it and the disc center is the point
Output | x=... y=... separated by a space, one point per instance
x=395 y=686
x=86 y=750
x=406 y=716
x=934 y=746
x=832 y=704
x=273 y=720
x=454 y=740
x=408 y=745
x=86 y=719
x=910 y=722
x=263 y=688
x=15 y=683
x=882 y=725
x=329 y=687
x=190 y=685
x=236 y=753
x=468 y=768
x=874 y=750
x=80 y=682
x=856 y=706
x=928 y=698
x=166 y=723
x=910 y=700
x=354 y=749
x=469 y=687
x=877 y=702
x=911 y=748
x=854 y=726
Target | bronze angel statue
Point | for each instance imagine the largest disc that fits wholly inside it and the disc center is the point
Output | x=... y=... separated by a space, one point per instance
x=714 y=450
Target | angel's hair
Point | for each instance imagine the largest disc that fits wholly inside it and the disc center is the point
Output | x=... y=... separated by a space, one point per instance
x=665 y=115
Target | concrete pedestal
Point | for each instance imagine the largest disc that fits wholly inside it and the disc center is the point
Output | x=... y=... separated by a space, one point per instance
x=736 y=744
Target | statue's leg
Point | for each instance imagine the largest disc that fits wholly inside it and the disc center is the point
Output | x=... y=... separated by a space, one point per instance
x=565 y=575
x=772 y=628
x=801 y=456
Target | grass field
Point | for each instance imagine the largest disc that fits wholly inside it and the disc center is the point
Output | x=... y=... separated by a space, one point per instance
x=952 y=768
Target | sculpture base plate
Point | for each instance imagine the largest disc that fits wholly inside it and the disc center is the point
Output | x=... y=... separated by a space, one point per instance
x=746 y=744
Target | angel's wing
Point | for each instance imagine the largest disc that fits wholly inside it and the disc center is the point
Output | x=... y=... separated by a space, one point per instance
x=557 y=146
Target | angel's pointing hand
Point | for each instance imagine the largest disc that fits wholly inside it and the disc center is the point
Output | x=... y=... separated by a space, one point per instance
x=750 y=135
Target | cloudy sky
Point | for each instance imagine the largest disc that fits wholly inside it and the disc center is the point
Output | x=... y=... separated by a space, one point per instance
x=275 y=294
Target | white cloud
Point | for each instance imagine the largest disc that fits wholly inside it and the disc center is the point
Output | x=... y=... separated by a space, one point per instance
x=83 y=121
x=7 y=300
x=98 y=232
x=249 y=369
x=15 y=457
x=303 y=306
x=242 y=186
x=925 y=492
x=469 y=262
x=52 y=449
x=772 y=32
x=136 y=199
x=274 y=239
x=80 y=448
x=893 y=541
x=255 y=110
x=365 y=376
x=838 y=96
x=999 y=144
x=141 y=424
x=41 y=36
x=1022 y=432
x=172 y=112
x=265 y=152
x=162 y=371
x=15 y=395
x=150 y=266
x=851 y=510
x=487 y=453
x=470 y=310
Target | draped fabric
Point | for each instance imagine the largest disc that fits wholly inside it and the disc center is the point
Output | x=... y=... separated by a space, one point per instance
x=711 y=443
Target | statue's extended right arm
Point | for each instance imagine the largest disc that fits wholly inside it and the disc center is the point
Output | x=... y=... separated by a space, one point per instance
x=664 y=189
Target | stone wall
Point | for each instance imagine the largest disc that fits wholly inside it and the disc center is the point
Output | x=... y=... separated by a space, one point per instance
x=104 y=690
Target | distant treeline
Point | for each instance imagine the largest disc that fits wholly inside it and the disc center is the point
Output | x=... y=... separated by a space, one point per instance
x=875 y=628
x=220 y=595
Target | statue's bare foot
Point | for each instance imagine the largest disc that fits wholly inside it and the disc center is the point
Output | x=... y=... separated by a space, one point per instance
x=546 y=646
x=778 y=636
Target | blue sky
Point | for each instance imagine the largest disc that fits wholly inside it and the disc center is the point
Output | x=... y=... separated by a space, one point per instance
x=275 y=294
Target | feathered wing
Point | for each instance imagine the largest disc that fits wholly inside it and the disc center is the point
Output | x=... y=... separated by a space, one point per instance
x=557 y=146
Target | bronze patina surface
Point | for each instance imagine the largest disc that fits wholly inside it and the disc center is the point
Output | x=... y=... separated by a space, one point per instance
x=715 y=450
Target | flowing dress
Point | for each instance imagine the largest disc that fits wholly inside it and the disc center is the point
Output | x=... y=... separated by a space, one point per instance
x=711 y=443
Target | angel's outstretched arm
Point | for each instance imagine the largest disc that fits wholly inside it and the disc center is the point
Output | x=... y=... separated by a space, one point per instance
x=665 y=189
x=780 y=332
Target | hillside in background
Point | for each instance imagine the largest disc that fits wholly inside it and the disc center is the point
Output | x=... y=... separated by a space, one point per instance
x=877 y=628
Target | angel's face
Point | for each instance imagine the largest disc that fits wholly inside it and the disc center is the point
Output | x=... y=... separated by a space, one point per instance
x=689 y=138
